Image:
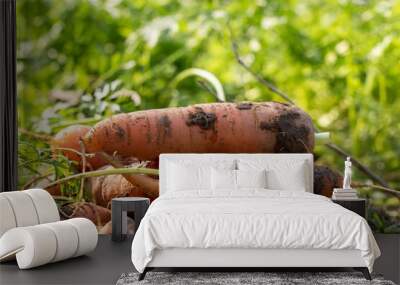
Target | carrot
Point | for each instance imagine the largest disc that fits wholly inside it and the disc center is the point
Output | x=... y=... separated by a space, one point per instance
x=54 y=190
x=107 y=228
x=148 y=184
x=67 y=142
x=105 y=188
x=325 y=179
x=97 y=214
x=268 y=127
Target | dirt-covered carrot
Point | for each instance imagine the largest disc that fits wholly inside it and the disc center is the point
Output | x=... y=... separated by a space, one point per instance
x=325 y=179
x=97 y=214
x=105 y=188
x=267 y=127
x=67 y=142
x=147 y=184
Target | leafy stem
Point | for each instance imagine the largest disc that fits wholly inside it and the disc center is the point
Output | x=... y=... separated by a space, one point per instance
x=96 y=173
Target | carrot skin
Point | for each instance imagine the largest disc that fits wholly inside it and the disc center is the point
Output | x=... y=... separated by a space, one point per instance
x=69 y=138
x=268 y=127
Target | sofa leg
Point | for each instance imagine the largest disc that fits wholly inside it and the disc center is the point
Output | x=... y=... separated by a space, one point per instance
x=364 y=271
x=142 y=275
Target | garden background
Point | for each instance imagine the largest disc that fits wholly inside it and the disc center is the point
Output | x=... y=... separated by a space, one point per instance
x=80 y=61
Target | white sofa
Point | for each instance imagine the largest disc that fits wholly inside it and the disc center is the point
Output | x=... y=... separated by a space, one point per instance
x=31 y=231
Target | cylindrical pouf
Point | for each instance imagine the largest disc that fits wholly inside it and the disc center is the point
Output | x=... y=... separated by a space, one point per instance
x=38 y=243
x=67 y=240
x=7 y=218
x=45 y=205
x=41 y=244
x=26 y=208
x=23 y=208
x=87 y=235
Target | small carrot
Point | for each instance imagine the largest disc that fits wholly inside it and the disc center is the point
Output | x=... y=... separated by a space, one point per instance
x=105 y=188
x=97 y=214
x=67 y=142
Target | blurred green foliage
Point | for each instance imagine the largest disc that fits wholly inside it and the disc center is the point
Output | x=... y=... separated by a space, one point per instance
x=83 y=60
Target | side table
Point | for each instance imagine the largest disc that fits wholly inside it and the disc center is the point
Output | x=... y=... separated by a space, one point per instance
x=358 y=205
x=119 y=209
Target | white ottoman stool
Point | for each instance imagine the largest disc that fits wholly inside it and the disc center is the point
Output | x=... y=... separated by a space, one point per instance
x=31 y=232
x=37 y=245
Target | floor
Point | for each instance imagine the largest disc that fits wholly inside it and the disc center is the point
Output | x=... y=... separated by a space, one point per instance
x=110 y=259
x=103 y=266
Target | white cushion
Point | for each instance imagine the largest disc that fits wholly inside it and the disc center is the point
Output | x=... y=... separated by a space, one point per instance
x=231 y=180
x=40 y=244
x=26 y=208
x=45 y=206
x=208 y=162
x=67 y=240
x=224 y=179
x=293 y=180
x=193 y=175
x=23 y=208
x=182 y=177
x=290 y=175
x=87 y=235
x=7 y=218
x=32 y=246
x=251 y=178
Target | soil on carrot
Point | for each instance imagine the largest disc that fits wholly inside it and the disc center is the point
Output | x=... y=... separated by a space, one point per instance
x=325 y=179
x=119 y=131
x=164 y=125
x=244 y=106
x=202 y=119
x=165 y=122
x=290 y=137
